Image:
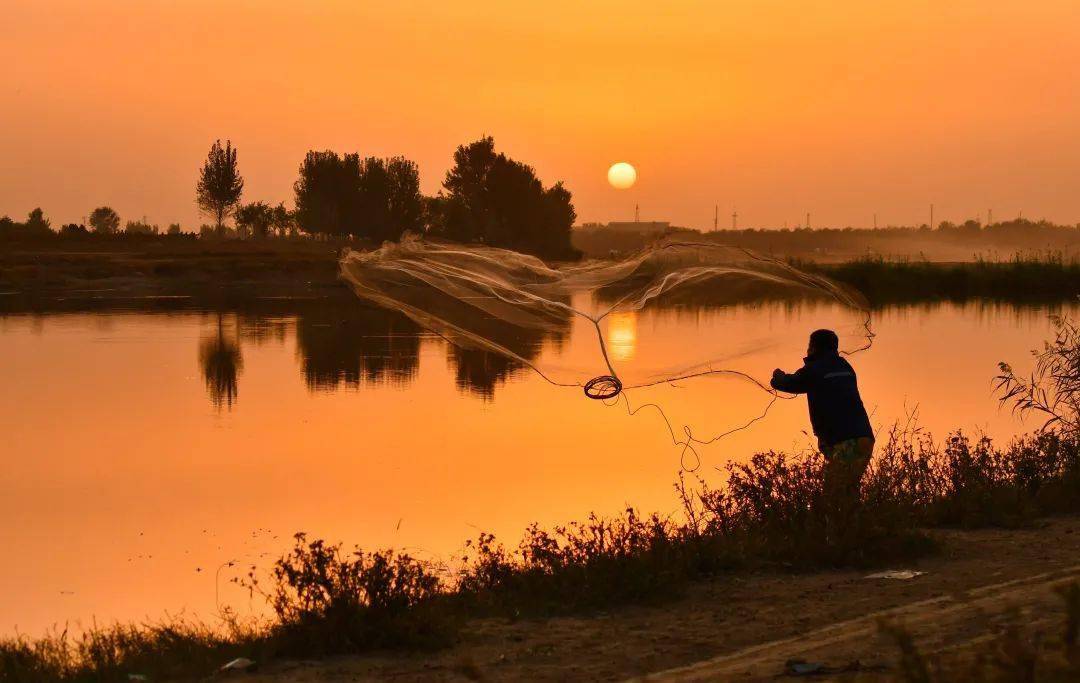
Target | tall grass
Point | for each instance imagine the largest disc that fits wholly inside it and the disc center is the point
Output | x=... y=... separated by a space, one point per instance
x=117 y=651
x=1046 y=277
x=328 y=600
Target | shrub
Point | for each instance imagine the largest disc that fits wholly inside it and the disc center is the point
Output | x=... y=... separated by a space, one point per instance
x=328 y=601
x=140 y=228
x=117 y=651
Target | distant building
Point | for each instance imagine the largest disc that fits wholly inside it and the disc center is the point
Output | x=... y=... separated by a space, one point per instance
x=632 y=227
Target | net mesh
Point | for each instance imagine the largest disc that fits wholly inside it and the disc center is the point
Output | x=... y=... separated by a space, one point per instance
x=515 y=305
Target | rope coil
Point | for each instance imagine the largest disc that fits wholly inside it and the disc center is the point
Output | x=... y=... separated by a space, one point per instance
x=603 y=387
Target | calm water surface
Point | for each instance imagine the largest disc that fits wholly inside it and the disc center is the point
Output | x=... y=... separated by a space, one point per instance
x=146 y=451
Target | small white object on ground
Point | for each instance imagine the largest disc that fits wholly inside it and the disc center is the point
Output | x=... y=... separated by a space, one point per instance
x=238 y=664
x=903 y=574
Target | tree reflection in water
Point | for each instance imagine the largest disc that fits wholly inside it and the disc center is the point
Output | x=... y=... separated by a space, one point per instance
x=354 y=345
x=347 y=344
x=221 y=361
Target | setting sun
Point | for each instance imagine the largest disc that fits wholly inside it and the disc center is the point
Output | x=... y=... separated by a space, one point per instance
x=328 y=338
x=622 y=175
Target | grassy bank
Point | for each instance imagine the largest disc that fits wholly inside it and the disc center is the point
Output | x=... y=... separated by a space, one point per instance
x=897 y=282
x=327 y=599
x=166 y=266
x=34 y=275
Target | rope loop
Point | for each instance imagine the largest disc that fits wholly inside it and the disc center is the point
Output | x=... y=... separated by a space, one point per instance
x=603 y=387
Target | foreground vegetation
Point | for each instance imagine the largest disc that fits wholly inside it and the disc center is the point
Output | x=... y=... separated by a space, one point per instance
x=327 y=599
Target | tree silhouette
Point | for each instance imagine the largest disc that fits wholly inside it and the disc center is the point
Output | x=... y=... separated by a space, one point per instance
x=73 y=230
x=559 y=217
x=376 y=199
x=466 y=213
x=326 y=192
x=104 y=221
x=37 y=222
x=396 y=200
x=372 y=218
x=36 y=226
x=495 y=200
x=220 y=185
x=140 y=228
x=282 y=220
x=256 y=217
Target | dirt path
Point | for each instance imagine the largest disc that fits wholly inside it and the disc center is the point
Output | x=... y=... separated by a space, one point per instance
x=744 y=627
x=943 y=624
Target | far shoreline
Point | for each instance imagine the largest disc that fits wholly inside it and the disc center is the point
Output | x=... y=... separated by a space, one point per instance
x=153 y=271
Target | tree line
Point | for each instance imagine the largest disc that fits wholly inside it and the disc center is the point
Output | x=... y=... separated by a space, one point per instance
x=486 y=198
x=103 y=221
x=946 y=241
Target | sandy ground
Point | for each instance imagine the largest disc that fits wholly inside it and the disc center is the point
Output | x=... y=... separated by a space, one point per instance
x=745 y=627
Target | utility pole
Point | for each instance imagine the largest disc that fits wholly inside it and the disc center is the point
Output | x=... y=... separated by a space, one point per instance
x=734 y=220
x=931 y=216
x=716 y=218
x=807 y=220
x=989 y=216
x=637 y=214
x=875 y=221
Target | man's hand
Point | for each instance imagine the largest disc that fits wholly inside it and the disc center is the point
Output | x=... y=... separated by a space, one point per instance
x=778 y=373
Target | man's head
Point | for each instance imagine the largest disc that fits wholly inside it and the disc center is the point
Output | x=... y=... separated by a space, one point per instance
x=823 y=342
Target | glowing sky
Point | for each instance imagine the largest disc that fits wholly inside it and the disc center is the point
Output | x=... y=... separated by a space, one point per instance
x=841 y=108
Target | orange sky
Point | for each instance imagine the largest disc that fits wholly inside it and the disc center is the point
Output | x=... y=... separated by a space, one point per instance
x=840 y=108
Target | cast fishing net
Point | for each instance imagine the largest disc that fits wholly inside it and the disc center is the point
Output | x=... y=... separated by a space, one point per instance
x=517 y=306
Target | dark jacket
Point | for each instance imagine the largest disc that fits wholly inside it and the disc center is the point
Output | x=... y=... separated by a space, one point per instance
x=832 y=393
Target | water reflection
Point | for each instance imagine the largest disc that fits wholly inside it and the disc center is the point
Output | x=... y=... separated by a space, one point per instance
x=221 y=362
x=352 y=345
x=355 y=345
x=341 y=343
x=622 y=334
x=479 y=371
x=347 y=344
x=423 y=473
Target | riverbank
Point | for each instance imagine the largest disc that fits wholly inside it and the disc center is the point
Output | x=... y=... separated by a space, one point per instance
x=744 y=626
x=767 y=527
x=751 y=624
x=90 y=274
x=101 y=273
x=1018 y=280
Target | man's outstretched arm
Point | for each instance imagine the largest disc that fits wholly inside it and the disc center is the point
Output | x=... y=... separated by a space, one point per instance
x=796 y=383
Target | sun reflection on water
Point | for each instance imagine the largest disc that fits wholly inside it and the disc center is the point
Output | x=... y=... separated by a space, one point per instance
x=622 y=335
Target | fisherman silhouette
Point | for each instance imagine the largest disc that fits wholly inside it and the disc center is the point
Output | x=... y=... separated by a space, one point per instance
x=838 y=418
